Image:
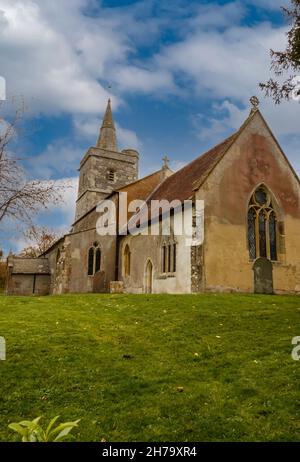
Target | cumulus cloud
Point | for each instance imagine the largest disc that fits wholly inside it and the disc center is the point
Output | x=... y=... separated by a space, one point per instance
x=60 y=158
x=62 y=59
x=64 y=63
x=224 y=64
x=41 y=63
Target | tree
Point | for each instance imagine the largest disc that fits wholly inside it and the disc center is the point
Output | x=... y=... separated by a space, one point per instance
x=286 y=64
x=21 y=198
x=40 y=239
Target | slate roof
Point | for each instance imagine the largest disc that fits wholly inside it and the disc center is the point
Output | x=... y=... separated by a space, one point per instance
x=30 y=266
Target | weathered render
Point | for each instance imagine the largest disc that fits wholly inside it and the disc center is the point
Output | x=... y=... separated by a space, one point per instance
x=251 y=242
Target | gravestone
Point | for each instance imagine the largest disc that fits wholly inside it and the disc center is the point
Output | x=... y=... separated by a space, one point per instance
x=263 y=276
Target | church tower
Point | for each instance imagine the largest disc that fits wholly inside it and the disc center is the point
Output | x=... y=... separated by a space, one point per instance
x=104 y=168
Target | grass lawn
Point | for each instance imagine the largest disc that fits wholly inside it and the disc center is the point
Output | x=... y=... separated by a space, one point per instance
x=231 y=354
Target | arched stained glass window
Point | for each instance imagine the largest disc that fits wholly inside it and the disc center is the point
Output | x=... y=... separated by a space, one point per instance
x=272 y=233
x=262 y=234
x=262 y=226
x=251 y=233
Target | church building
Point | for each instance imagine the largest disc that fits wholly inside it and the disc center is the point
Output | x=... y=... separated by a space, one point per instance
x=251 y=223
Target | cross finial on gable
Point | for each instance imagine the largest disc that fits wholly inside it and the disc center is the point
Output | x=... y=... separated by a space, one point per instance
x=166 y=162
x=254 y=102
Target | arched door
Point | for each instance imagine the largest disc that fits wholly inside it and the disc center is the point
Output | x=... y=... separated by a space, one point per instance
x=149 y=277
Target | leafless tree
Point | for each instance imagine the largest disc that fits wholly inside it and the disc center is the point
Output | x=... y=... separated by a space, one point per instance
x=40 y=239
x=20 y=198
x=286 y=64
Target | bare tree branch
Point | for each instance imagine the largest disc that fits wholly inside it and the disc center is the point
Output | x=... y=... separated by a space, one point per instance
x=21 y=199
x=40 y=239
x=287 y=61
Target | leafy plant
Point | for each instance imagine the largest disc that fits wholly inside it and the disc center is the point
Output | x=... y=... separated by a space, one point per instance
x=31 y=431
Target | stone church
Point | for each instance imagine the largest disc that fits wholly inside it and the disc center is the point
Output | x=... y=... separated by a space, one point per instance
x=251 y=242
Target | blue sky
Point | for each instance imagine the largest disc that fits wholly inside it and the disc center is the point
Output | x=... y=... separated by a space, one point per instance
x=180 y=74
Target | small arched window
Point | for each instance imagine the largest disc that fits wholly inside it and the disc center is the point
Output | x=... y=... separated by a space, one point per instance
x=127 y=257
x=262 y=226
x=94 y=259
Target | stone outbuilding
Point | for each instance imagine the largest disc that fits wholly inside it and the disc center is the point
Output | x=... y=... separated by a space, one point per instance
x=28 y=276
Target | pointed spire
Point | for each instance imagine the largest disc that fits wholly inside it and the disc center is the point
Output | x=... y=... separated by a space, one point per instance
x=107 y=138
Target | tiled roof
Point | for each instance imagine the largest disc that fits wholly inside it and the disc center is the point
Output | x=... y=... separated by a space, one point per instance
x=181 y=184
x=141 y=189
x=30 y=266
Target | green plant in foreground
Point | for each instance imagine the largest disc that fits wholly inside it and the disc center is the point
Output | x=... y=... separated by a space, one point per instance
x=32 y=432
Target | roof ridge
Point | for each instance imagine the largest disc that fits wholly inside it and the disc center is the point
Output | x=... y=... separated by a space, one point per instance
x=141 y=179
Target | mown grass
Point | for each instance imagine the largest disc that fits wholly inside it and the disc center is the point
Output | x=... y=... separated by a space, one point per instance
x=231 y=354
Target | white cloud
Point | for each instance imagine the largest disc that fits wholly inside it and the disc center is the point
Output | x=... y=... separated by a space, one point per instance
x=68 y=203
x=87 y=126
x=56 y=56
x=128 y=138
x=224 y=64
x=144 y=80
x=63 y=59
x=210 y=15
x=41 y=63
x=60 y=158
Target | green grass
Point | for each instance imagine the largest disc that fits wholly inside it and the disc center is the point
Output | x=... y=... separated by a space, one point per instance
x=230 y=353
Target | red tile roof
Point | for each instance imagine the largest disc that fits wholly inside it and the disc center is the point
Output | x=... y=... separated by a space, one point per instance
x=181 y=184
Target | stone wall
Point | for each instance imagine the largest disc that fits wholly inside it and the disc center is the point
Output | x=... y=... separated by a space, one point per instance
x=255 y=158
x=94 y=181
x=28 y=276
x=144 y=248
x=197 y=268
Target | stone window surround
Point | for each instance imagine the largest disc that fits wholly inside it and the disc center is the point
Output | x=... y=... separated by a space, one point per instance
x=169 y=245
x=95 y=247
x=280 y=226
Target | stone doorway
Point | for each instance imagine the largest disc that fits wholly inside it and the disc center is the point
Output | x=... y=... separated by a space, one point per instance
x=263 y=276
x=149 y=277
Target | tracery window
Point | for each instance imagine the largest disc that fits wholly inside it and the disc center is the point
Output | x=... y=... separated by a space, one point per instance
x=262 y=226
x=94 y=259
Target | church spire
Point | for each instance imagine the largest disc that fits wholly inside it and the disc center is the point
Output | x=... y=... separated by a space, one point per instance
x=107 y=138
